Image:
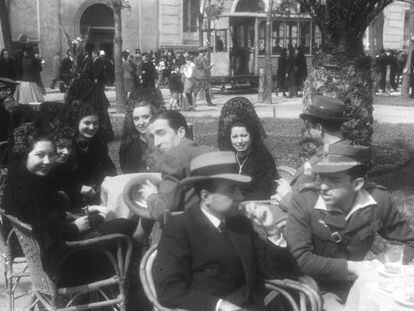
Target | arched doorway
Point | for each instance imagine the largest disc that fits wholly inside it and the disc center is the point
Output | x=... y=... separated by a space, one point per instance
x=100 y=19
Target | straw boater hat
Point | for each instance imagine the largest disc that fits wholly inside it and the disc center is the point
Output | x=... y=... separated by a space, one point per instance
x=215 y=165
x=325 y=108
x=341 y=157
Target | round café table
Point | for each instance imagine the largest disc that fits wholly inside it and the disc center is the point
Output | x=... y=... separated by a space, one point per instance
x=376 y=292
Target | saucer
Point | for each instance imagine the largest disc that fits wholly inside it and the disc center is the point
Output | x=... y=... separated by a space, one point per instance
x=383 y=272
x=399 y=296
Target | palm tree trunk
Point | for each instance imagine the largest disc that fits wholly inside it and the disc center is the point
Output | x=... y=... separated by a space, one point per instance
x=119 y=71
x=350 y=80
x=5 y=26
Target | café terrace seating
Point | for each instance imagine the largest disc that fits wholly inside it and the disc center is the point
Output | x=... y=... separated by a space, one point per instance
x=110 y=291
x=309 y=299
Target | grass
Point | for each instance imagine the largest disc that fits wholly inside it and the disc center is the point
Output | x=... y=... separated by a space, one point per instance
x=392 y=153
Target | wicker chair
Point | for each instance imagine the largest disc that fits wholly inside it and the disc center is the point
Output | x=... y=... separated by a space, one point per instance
x=309 y=299
x=15 y=267
x=52 y=297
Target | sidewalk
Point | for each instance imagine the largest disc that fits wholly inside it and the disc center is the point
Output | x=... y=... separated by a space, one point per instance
x=282 y=107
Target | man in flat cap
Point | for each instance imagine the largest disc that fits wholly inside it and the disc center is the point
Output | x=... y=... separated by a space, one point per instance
x=323 y=121
x=210 y=258
x=331 y=225
x=202 y=69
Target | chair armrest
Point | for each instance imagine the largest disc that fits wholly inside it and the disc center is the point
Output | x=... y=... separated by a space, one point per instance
x=15 y=221
x=313 y=297
x=99 y=240
x=120 y=260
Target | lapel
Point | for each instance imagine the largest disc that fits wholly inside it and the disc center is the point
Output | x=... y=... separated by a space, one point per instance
x=242 y=241
x=239 y=237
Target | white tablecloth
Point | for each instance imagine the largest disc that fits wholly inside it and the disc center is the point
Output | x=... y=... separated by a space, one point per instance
x=111 y=195
x=367 y=294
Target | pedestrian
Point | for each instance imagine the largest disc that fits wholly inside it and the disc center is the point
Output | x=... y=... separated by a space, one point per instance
x=302 y=69
x=147 y=72
x=176 y=87
x=282 y=72
x=56 y=63
x=66 y=71
x=292 y=70
x=7 y=65
x=31 y=88
x=129 y=73
x=202 y=72
x=188 y=71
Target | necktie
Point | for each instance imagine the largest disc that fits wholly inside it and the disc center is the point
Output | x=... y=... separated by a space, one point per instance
x=222 y=227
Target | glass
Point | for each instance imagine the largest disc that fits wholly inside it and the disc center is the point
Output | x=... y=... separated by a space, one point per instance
x=393 y=257
x=409 y=281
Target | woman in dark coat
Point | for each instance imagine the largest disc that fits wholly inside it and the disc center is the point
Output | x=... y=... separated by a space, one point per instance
x=31 y=88
x=136 y=148
x=282 y=71
x=292 y=71
x=89 y=154
x=253 y=159
x=240 y=131
x=302 y=69
x=7 y=65
x=32 y=197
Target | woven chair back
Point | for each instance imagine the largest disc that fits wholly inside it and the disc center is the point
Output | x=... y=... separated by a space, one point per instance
x=41 y=282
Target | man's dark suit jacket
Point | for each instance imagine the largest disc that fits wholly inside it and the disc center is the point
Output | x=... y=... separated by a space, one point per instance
x=98 y=68
x=189 y=273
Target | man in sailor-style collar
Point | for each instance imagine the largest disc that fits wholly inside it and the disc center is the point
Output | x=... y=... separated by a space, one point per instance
x=332 y=224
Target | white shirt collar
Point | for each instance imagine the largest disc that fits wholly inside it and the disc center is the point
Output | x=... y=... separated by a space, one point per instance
x=213 y=219
x=362 y=200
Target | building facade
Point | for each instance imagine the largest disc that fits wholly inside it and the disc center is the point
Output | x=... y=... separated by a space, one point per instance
x=152 y=24
x=147 y=25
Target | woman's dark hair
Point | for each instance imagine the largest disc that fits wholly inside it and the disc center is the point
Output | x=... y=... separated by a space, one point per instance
x=251 y=129
x=25 y=137
x=61 y=131
x=150 y=95
x=75 y=112
x=236 y=108
x=129 y=131
x=175 y=120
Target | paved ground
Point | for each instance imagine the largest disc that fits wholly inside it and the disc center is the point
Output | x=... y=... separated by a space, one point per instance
x=282 y=108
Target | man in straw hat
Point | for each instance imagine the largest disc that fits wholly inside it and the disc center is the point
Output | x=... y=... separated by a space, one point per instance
x=210 y=258
x=332 y=225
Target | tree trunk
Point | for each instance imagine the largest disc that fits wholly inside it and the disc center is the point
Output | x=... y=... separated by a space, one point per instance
x=268 y=58
x=5 y=26
x=406 y=79
x=200 y=28
x=350 y=80
x=119 y=71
